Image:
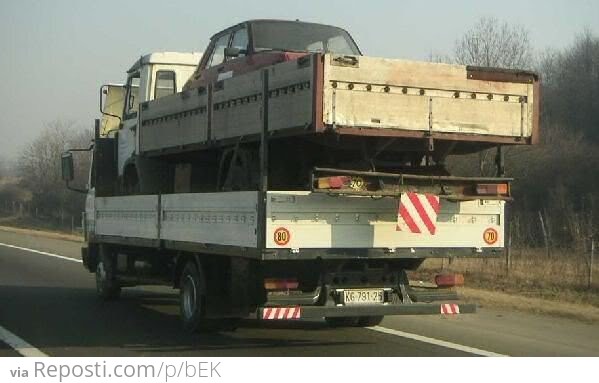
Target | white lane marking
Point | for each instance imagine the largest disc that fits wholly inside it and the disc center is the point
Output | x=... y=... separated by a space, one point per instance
x=19 y=345
x=41 y=252
x=437 y=342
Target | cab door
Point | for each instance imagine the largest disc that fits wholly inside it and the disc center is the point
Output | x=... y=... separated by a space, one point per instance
x=128 y=129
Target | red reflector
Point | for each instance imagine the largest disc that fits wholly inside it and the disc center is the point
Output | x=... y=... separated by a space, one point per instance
x=333 y=182
x=492 y=189
x=449 y=280
x=281 y=284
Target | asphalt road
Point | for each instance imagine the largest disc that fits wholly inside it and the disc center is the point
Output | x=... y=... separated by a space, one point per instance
x=50 y=303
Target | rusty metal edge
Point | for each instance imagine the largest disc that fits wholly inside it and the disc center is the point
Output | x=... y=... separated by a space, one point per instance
x=501 y=75
x=317 y=95
x=377 y=132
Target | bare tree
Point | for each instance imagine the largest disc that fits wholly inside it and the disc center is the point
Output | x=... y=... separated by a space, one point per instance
x=571 y=86
x=39 y=168
x=492 y=43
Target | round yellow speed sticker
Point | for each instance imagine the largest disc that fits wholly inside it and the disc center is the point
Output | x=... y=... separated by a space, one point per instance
x=490 y=236
x=282 y=236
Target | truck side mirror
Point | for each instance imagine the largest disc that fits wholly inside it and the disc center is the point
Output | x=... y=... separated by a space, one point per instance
x=66 y=162
x=233 y=52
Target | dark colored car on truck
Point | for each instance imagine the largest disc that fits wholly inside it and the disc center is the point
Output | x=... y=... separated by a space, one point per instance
x=255 y=44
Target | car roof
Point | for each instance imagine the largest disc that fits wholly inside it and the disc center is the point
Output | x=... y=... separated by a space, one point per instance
x=253 y=21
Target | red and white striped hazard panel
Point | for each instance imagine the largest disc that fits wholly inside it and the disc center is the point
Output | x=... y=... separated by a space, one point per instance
x=281 y=313
x=417 y=213
x=450 y=308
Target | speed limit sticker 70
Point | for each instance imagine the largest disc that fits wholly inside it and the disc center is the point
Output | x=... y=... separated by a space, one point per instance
x=490 y=236
x=282 y=236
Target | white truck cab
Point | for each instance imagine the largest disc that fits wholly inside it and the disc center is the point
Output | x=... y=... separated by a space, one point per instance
x=153 y=76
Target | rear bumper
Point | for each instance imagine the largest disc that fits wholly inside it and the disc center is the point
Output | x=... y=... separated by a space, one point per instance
x=398 y=253
x=319 y=312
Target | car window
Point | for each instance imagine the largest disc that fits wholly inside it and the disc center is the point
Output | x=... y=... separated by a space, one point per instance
x=316 y=46
x=301 y=37
x=218 y=54
x=338 y=44
x=240 y=40
x=165 y=83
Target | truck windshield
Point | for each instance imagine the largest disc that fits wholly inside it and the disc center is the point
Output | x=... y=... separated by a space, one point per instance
x=303 y=37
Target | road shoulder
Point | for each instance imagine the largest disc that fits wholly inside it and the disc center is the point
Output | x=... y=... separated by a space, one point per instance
x=42 y=233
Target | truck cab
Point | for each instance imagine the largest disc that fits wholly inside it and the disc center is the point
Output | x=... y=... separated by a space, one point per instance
x=151 y=77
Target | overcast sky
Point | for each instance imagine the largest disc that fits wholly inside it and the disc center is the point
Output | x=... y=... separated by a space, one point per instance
x=54 y=55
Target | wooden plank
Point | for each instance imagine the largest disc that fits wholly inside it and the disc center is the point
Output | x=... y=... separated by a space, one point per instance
x=380 y=93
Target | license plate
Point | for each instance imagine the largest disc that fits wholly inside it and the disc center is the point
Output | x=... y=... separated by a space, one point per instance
x=358 y=297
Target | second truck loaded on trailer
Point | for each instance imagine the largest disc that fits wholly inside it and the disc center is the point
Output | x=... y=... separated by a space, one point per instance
x=287 y=176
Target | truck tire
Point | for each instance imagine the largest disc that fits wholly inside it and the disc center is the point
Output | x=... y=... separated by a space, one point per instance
x=370 y=321
x=192 y=297
x=107 y=287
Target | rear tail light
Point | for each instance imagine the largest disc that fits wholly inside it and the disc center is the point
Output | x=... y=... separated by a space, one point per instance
x=280 y=284
x=449 y=280
x=493 y=189
x=336 y=182
x=343 y=182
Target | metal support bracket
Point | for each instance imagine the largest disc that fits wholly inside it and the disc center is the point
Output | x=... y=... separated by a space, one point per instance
x=403 y=284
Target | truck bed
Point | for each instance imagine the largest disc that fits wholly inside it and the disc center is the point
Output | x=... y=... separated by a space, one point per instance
x=352 y=95
x=316 y=225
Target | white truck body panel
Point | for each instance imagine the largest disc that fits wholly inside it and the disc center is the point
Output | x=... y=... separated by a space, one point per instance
x=316 y=220
x=313 y=220
x=228 y=218
x=129 y=216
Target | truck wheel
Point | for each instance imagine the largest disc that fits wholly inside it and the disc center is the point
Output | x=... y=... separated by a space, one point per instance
x=342 y=321
x=192 y=298
x=370 y=321
x=107 y=288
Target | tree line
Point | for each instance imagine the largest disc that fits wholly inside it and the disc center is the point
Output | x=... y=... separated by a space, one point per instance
x=32 y=187
x=556 y=203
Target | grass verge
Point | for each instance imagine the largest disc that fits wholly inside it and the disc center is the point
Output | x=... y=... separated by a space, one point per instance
x=43 y=233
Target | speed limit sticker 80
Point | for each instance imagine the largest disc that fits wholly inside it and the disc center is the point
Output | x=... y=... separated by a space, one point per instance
x=282 y=236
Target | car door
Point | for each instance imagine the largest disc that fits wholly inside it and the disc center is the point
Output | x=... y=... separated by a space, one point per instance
x=236 y=65
x=214 y=65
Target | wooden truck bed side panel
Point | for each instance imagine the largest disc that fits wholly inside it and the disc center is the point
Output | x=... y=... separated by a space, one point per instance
x=378 y=93
x=175 y=120
x=290 y=103
x=234 y=109
x=374 y=96
x=236 y=104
